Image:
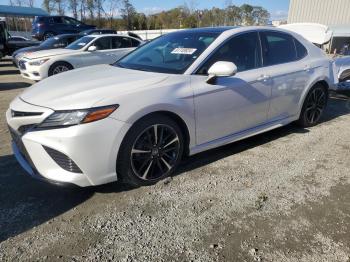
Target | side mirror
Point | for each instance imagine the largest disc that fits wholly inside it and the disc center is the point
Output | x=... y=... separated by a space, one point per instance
x=92 y=48
x=221 y=68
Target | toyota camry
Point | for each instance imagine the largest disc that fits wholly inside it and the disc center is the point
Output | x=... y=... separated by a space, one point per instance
x=180 y=94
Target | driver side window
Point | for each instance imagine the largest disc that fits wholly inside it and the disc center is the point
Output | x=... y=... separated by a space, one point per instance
x=103 y=43
x=242 y=50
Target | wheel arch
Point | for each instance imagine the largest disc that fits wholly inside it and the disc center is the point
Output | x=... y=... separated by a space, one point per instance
x=57 y=62
x=344 y=75
x=321 y=81
x=175 y=117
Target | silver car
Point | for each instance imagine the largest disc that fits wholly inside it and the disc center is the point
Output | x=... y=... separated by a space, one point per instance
x=181 y=94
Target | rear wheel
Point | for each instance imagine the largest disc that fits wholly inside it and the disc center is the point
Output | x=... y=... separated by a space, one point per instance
x=150 y=151
x=59 y=67
x=314 y=106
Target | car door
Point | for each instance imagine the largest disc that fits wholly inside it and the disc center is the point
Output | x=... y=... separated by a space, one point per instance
x=101 y=55
x=232 y=104
x=121 y=46
x=287 y=71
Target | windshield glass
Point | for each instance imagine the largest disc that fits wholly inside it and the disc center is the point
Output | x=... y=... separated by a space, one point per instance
x=172 y=53
x=49 y=42
x=80 y=43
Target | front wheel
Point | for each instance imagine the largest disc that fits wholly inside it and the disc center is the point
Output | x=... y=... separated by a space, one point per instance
x=59 y=67
x=314 y=106
x=151 y=151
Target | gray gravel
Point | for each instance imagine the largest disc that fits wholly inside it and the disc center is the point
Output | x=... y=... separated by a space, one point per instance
x=281 y=196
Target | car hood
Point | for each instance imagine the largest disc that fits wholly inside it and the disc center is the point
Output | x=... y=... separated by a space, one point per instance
x=27 y=49
x=85 y=87
x=51 y=52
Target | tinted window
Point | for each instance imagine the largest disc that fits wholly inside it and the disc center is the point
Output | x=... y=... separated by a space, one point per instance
x=278 y=48
x=171 y=53
x=70 y=21
x=56 y=20
x=243 y=50
x=134 y=43
x=71 y=39
x=103 y=43
x=301 y=50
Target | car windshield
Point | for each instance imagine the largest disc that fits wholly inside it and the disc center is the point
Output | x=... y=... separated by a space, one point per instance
x=172 y=53
x=50 y=42
x=80 y=43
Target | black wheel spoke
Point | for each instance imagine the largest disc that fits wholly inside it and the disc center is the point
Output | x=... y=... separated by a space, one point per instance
x=155 y=152
x=315 y=105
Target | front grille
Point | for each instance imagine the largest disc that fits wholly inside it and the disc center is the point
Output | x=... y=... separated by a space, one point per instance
x=22 y=65
x=24 y=114
x=62 y=160
x=17 y=139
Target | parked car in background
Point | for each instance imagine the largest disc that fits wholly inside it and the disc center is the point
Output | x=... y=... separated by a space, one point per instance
x=99 y=32
x=17 y=42
x=9 y=44
x=86 y=51
x=4 y=35
x=44 y=27
x=182 y=93
x=59 y=41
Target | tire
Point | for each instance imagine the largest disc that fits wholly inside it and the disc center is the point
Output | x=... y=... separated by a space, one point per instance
x=59 y=67
x=314 y=106
x=151 y=151
x=48 y=35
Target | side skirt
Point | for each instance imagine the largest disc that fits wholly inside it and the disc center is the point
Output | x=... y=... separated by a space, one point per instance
x=242 y=135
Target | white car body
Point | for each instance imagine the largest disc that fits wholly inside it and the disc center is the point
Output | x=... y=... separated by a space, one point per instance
x=255 y=101
x=76 y=58
x=321 y=34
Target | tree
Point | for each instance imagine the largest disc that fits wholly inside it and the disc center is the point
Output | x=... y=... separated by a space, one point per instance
x=234 y=16
x=260 y=15
x=60 y=6
x=128 y=13
x=247 y=14
x=111 y=10
x=73 y=6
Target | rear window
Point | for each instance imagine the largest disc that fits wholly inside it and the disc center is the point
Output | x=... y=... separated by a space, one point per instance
x=278 y=48
x=301 y=50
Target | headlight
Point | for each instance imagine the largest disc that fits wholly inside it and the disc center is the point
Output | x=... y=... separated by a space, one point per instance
x=38 y=62
x=76 y=117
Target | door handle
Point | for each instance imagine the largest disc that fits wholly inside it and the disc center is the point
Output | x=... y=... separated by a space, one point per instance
x=263 y=78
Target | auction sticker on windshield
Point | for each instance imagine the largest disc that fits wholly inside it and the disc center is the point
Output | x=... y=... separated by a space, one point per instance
x=184 y=51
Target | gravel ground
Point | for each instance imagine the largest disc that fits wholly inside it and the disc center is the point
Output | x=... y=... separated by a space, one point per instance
x=280 y=196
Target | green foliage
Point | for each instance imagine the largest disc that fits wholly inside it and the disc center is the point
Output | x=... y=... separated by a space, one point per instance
x=93 y=11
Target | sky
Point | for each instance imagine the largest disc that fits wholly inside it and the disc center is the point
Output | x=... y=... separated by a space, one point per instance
x=277 y=8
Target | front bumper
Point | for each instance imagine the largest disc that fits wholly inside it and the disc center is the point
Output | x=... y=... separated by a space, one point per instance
x=31 y=170
x=92 y=147
x=35 y=73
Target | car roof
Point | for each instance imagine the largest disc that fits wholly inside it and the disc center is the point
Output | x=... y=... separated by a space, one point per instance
x=219 y=29
x=104 y=35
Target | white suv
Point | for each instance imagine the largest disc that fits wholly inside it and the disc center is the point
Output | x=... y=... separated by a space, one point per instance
x=86 y=51
x=183 y=93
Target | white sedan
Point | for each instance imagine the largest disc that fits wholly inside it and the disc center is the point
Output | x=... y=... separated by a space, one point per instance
x=86 y=51
x=181 y=94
